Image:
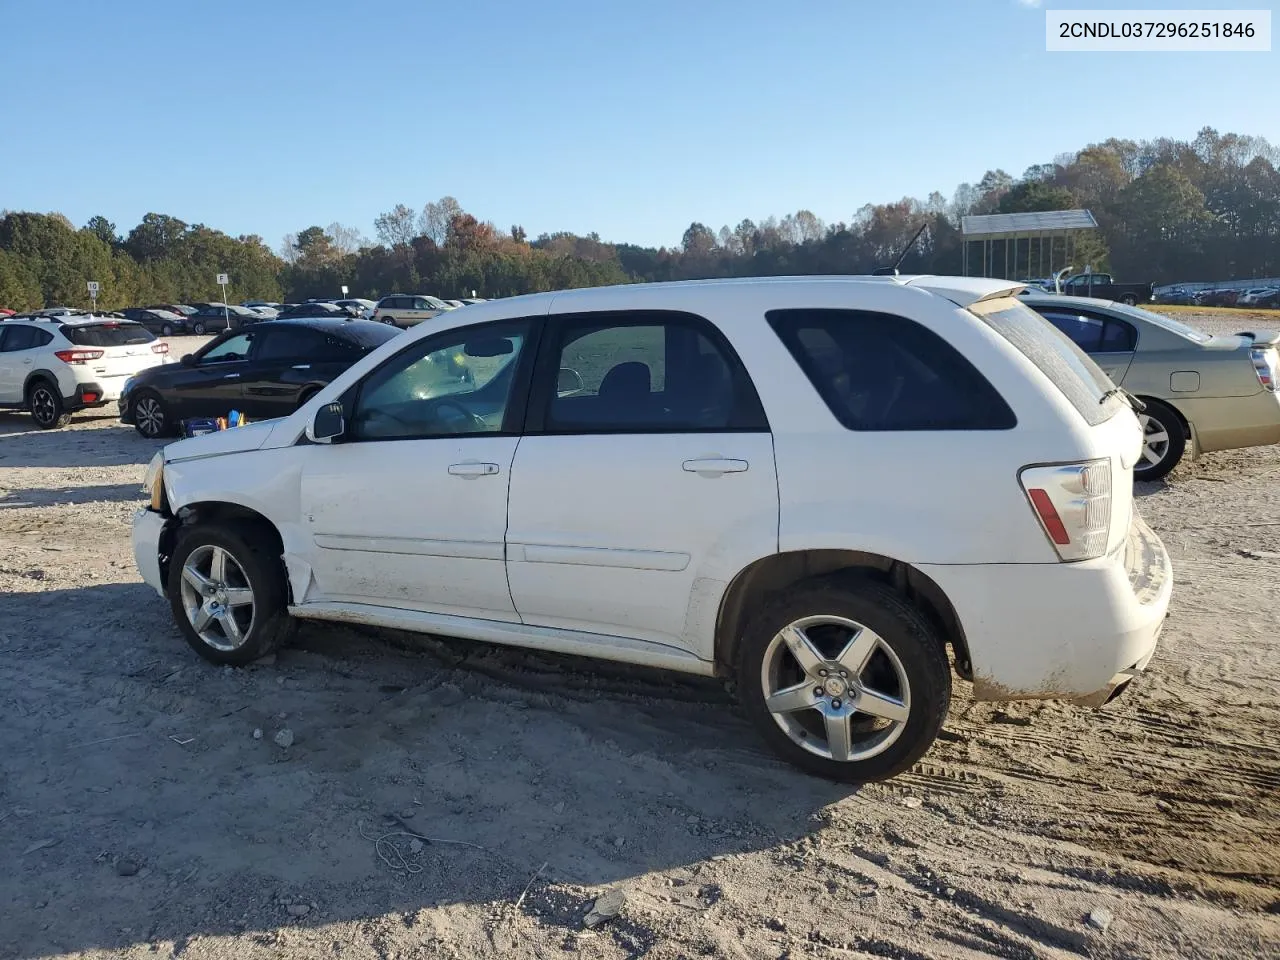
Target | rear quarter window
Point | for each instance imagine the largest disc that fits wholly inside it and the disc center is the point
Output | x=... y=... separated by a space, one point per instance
x=880 y=372
x=1068 y=367
x=108 y=335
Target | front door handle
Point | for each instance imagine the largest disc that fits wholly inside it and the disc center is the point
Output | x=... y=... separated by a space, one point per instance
x=231 y=376
x=302 y=366
x=473 y=469
x=714 y=466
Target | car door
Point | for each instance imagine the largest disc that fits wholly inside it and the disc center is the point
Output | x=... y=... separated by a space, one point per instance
x=410 y=509
x=279 y=366
x=13 y=369
x=18 y=351
x=1108 y=340
x=210 y=386
x=646 y=462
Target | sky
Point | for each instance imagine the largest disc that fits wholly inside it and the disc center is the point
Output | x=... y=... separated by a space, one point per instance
x=628 y=119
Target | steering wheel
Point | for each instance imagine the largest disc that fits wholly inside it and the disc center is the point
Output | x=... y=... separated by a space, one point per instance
x=476 y=421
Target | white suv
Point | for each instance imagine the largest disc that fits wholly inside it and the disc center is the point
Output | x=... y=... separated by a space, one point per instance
x=58 y=365
x=818 y=486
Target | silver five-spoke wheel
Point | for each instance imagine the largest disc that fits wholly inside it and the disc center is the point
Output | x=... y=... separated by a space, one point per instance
x=835 y=688
x=217 y=597
x=1155 y=441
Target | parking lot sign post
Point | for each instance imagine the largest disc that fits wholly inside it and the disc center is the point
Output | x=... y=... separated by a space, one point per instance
x=344 y=289
x=223 y=280
x=93 y=295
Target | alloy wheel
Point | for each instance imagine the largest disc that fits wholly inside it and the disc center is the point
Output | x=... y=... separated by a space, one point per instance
x=44 y=405
x=150 y=416
x=217 y=598
x=1155 y=441
x=835 y=688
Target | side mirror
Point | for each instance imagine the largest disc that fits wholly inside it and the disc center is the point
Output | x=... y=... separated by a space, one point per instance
x=327 y=425
x=189 y=360
x=568 y=382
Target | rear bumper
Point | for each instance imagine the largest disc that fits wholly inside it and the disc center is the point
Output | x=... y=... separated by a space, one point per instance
x=1070 y=631
x=1229 y=423
x=90 y=395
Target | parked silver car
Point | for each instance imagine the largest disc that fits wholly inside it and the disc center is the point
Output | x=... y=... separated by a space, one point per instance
x=1211 y=393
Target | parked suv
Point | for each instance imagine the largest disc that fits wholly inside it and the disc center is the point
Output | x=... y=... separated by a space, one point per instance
x=406 y=311
x=54 y=368
x=822 y=487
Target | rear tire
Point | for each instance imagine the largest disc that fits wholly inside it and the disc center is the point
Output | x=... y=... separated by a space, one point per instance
x=1129 y=299
x=229 y=593
x=45 y=403
x=166 y=330
x=844 y=678
x=305 y=396
x=1163 y=441
x=198 y=328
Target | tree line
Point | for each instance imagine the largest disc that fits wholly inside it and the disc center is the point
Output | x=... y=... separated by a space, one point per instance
x=1167 y=210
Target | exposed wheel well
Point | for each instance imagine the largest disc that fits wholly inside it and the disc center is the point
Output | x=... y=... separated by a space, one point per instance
x=758 y=583
x=214 y=512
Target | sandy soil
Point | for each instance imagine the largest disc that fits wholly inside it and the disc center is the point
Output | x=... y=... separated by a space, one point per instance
x=141 y=815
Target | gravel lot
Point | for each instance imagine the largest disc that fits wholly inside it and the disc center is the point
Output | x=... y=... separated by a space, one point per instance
x=146 y=808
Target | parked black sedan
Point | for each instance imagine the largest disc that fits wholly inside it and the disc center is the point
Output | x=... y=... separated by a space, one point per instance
x=215 y=317
x=318 y=308
x=164 y=323
x=267 y=370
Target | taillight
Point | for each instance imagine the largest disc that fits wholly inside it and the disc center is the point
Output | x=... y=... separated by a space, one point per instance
x=1072 y=501
x=77 y=356
x=1265 y=364
x=159 y=348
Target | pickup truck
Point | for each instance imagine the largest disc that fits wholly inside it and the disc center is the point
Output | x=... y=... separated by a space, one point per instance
x=1104 y=287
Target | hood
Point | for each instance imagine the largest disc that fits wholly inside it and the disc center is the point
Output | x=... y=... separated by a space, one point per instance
x=232 y=440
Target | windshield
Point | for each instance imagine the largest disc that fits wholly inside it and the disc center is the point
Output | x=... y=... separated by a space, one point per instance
x=1068 y=367
x=1160 y=320
x=108 y=334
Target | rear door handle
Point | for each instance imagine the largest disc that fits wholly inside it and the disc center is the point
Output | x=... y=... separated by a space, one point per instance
x=302 y=366
x=231 y=376
x=714 y=466
x=473 y=469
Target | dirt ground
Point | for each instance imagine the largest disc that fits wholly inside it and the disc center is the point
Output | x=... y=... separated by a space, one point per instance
x=146 y=808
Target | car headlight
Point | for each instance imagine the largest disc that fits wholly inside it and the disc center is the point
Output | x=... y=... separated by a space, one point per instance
x=153 y=481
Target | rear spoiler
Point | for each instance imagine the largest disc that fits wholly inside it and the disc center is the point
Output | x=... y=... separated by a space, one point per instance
x=966 y=291
x=1266 y=338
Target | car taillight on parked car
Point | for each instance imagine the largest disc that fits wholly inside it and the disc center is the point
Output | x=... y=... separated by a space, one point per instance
x=1266 y=364
x=77 y=356
x=159 y=348
x=1072 y=501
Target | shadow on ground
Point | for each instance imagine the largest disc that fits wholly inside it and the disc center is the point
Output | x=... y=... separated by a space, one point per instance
x=123 y=751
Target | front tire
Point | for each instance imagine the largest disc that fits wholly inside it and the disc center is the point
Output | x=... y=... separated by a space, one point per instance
x=166 y=330
x=45 y=404
x=1163 y=441
x=228 y=593
x=845 y=679
x=1129 y=299
x=198 y=328
x=151 y=415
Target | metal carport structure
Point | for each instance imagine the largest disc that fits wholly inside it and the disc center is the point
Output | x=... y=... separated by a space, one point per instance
x=1059 y=227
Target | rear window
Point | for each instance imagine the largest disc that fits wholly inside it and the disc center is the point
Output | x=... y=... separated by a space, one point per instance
x=108 y=335
x=368 y=334
x=1160 y=320
x=1068 y=367
x=882 y=372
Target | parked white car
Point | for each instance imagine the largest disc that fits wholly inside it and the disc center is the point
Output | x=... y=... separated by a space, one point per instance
x=56 y=366
x=817 y=486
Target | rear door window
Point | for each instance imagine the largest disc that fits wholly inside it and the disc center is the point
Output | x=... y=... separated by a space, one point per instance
x=109 y=335
x=287 y=343
x=1092 y=333
x=1068 y=367
x=880 y=372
